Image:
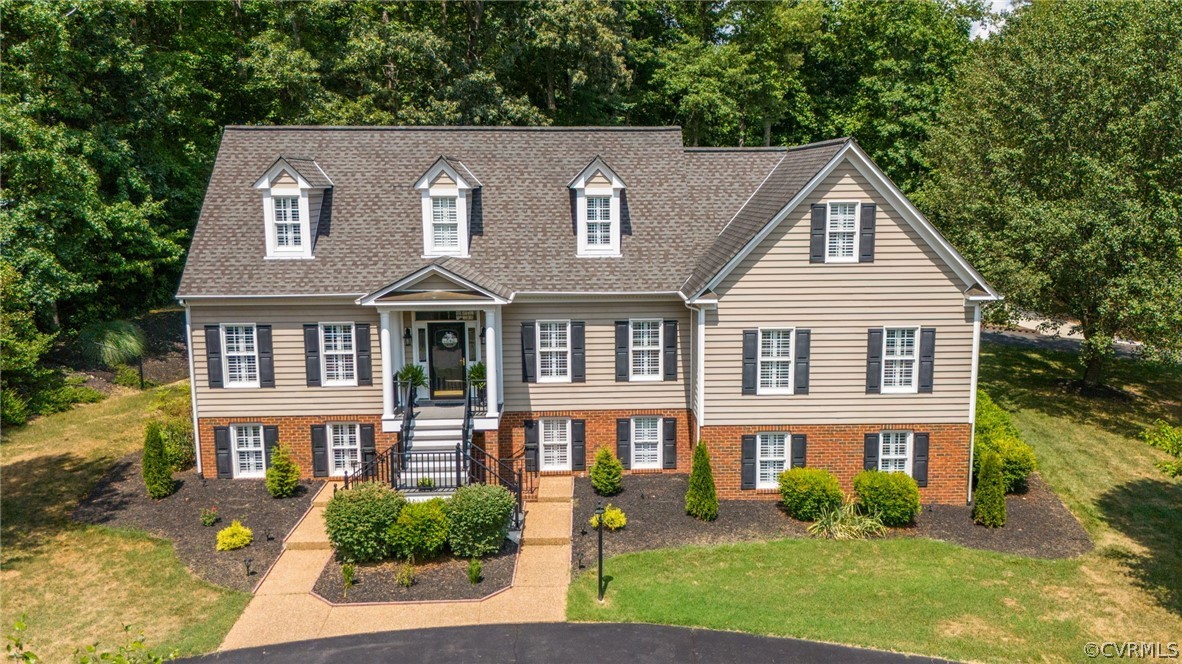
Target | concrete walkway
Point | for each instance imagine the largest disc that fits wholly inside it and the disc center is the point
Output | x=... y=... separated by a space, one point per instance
x=283 y=609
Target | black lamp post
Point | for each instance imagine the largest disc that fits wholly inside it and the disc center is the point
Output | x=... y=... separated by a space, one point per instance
x=599 y=513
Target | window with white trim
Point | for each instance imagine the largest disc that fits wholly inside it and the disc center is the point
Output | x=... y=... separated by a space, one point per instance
x=241 y=355
x=841 y=232
x=646 y=442
x=344 y=447
x=339 y=354
x=445 y=225
x=899 y=359
x=771 y=459
x=894 y=451
x=555 y=443
x=775 y=361
x=249 y=458
x=599 y=222
x=288 y=234
x=554 y=351
x=645 y=350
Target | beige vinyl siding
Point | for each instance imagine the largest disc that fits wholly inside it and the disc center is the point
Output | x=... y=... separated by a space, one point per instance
x=315 y=202
x=291 y=395
x=443 y=180
x=776 y=286
x=284 y=179
x=601 y=391
x=599 y=180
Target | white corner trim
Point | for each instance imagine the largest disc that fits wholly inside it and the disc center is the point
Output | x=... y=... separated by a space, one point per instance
x=973 y=396
x=193 y=386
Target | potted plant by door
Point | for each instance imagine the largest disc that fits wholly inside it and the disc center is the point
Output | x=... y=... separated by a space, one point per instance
x=413 y=376
x=478 y=379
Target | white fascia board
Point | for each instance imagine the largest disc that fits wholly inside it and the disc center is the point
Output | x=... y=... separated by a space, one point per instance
x=277 y=296
x=575 y=295
x=597 y=164
x=441 y=164
x=281 y=165
x=369 y=299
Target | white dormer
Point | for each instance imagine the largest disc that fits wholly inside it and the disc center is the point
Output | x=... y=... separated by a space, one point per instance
x=597 y=210
x=445 y=196
x=287 y=214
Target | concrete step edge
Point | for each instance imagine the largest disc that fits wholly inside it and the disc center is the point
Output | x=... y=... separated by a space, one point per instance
x=544 y=541
x=307 y=545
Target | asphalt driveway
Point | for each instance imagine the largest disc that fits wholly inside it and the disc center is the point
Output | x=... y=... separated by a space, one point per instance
x=561 y=643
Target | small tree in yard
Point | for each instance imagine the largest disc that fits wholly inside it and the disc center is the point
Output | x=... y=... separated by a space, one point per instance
x=283 y=477
x=157 y=470
x=607 y=473
x=701 y=499
x=989 y=505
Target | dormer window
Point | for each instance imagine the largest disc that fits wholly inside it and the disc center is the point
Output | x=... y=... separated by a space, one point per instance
x=446 y=188
x=445 y=229
x=293 y=188
x=599 y=203
x=288 y=232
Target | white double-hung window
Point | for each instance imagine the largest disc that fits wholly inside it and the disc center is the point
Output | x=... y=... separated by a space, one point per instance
x=771 y=459
x=553 y=351
x=241 y=356
x=899 y=359
x=646 y=442
x=249 y=458
x=288 y=234
x=599 y=210
x=894 y=451
x=555 y=443
x=445 y=225
x=599 y=223
x=344 y=443
x=338 y=353
x=775 y=361
x=841 y=233
x=645 y=350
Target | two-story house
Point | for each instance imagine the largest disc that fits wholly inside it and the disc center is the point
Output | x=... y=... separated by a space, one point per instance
x=786 y=306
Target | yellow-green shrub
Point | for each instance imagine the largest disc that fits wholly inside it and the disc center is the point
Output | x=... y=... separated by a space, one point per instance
x=234 y=536
x=613 y=518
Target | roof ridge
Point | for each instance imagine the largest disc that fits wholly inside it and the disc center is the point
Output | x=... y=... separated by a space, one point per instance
x=663 y=128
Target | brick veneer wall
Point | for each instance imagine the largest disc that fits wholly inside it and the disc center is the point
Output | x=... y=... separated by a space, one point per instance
x=601 y=430
x=839 y=449
x=295 y=433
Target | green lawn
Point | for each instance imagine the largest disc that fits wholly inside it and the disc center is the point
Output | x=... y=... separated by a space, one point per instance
x=942 y=599
x=80 y=584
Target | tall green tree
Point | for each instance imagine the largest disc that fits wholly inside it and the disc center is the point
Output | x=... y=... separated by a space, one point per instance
x=1057 y=168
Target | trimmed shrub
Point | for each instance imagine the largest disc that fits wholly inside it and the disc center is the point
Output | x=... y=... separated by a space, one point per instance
x=846 y=522
x=613 y=518
x=701 y=498
x=1017 y=460
x=174 y=412
x=893 y=497
x=992 y=420
x=420 y=532
x=806 y=493
x=234 y=536
x=607 y=473
x=475 y=571
x=283 y=477
x=480 y=515
x=358 y=519
x=156 y=471
x=989 y=503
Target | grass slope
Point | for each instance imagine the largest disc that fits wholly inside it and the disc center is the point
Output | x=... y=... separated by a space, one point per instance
x=942 y=599
x=81 y=584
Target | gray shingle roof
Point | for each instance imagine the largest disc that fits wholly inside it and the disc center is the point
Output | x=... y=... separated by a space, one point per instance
x=678 y=202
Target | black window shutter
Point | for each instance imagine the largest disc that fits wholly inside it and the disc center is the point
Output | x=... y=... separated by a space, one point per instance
x=624 y=441
x=213 y=355
x=364 y=353
x=621 y=351
x=319 y=451
x=750 y=360
x=531 y=445
x=578 y=444
x=817 y=236
x=800 y=379
x=870 y=451
x=670 y=350
x=529 y=354
x=369 y=448
x=874 y=360
x=866 y=243
x=270 y=442
x=927 y=359
x=265 y=347
x=578 y=351
x=919 y=459
x=669 y=443
x=312 y=354
x=221 y=446
x=747 y=463
x=799 y=450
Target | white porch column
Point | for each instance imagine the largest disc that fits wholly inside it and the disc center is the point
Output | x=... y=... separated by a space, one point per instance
x=388 y=361
x=492 y=364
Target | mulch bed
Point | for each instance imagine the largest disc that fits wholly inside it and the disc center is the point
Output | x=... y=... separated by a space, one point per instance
x=444 y=579
x=1038 y=524
x=119 y=500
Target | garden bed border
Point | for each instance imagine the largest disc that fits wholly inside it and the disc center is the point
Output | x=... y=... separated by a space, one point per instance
x=512 y=581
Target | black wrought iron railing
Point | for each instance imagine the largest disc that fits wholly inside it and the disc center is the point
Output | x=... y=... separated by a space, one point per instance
x=384 y=467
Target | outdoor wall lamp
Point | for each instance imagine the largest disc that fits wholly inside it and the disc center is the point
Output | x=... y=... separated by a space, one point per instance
x=406 y=338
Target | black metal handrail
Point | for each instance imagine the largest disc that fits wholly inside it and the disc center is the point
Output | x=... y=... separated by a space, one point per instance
x=384 y=467
x=485 y=467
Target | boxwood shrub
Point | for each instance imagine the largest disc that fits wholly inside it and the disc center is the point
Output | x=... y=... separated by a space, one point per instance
x=989 y=502
x=806 y=493
x=358 y=520
x=995 y=432
x=894 y=497
x=420 y=532
x=480 y=515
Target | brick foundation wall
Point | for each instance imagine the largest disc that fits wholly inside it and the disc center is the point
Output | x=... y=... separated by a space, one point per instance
x=295 y=433
x=601 y=431
x=839 y=448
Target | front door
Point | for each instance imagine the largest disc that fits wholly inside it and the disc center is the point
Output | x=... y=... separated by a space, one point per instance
x=446 y=359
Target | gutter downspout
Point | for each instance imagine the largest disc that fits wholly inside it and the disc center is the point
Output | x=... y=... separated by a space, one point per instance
x=973 y=397
x=192 y=385
x=699 y=343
